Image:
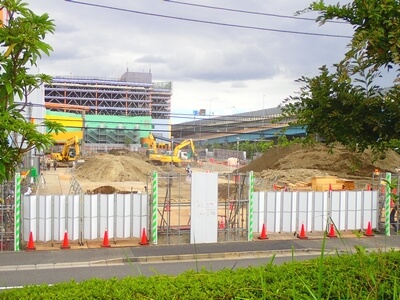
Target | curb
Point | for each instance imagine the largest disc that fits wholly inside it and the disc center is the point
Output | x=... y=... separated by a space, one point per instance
x=232 y=255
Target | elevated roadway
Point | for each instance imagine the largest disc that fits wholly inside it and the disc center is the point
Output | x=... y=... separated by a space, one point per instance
x=252 y=126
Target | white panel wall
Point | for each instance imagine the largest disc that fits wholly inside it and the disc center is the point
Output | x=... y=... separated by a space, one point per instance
x=319 y=208
x=288 y=211
x=204 y=208
x=90 y=230
x=339 y=204
x=73 y=217
x=125 y=216
x=48 y=217
x=29 y=220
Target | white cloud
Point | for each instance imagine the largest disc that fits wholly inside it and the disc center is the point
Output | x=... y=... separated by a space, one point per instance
x=210 y=66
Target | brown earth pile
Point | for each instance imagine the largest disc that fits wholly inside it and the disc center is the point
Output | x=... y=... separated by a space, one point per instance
x=295 y=163
x=115 y=168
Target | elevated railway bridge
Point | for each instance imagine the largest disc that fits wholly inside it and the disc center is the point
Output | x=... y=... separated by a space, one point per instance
x=249 y=126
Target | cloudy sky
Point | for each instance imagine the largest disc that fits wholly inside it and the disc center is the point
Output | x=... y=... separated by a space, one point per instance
x=249 y=63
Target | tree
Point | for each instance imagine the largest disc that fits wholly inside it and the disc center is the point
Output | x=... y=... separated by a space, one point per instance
x=376 y=26
x=347 y=106
x=21 y=42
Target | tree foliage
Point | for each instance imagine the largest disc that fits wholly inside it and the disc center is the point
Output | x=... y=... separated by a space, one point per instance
x=21 y=46
x=376 y=26
x=346 y=105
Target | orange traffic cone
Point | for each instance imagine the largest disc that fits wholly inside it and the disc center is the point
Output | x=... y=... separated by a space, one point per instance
x=263 y=235
x=65 y=244
x=369 y=230
x=143 y=240
x=331 y=233
x=221 y=224
x=31 y=245
x=302 y=234
x=105 y=244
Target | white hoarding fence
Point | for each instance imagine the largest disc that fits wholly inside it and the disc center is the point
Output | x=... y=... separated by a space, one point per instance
x=282 y=211
x=87 y=216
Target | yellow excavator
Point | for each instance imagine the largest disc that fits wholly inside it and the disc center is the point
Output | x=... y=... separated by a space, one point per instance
x=177 y=156
x=70 y=151
x=152 y=146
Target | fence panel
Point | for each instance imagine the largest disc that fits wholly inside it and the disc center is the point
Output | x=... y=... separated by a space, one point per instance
x=49 y=216
x=30 y=217
x=288 y=211
x=90 y=230
x=320 y=210
x=126 y=215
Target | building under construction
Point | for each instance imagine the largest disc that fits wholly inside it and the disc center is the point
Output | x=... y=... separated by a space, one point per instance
x=133 y=95
x=113 y=111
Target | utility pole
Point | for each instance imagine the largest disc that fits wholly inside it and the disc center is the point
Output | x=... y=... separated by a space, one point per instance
x=83 y=133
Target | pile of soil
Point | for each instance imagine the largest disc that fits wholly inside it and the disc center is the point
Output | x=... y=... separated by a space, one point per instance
x=106 y=189
x=115 y=168
x=299 y=163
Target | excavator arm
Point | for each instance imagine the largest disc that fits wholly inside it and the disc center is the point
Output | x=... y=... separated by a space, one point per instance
x=174 y=156
x=182 y=145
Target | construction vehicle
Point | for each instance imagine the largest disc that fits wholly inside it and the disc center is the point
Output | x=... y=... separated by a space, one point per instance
x=70 y=151
x=177 y=156
x=152 y=146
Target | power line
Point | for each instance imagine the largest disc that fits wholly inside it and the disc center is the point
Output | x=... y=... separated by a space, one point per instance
x=188 y=116
x=250 y=12
x=190 y=124
x=186 y=131
x=209 y=22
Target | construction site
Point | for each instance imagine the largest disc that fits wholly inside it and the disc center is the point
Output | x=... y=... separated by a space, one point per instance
x=95 y=157
x=290 y=168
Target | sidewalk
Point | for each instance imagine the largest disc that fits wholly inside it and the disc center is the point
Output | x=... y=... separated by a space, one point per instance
x=26 y=260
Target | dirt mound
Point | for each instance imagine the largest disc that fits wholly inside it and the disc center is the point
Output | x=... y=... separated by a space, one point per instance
x=318 y=158
x=295 y=162
x=104 y=190
x=115 y=168
x=107 y=189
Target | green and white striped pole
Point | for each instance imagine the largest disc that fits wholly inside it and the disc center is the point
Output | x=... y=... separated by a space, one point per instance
x=387 y=203
x=17 y=212
x=251 y=205
x=154 y=214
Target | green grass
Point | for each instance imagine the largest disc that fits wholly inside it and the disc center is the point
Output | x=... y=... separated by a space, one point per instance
x=360 y=275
